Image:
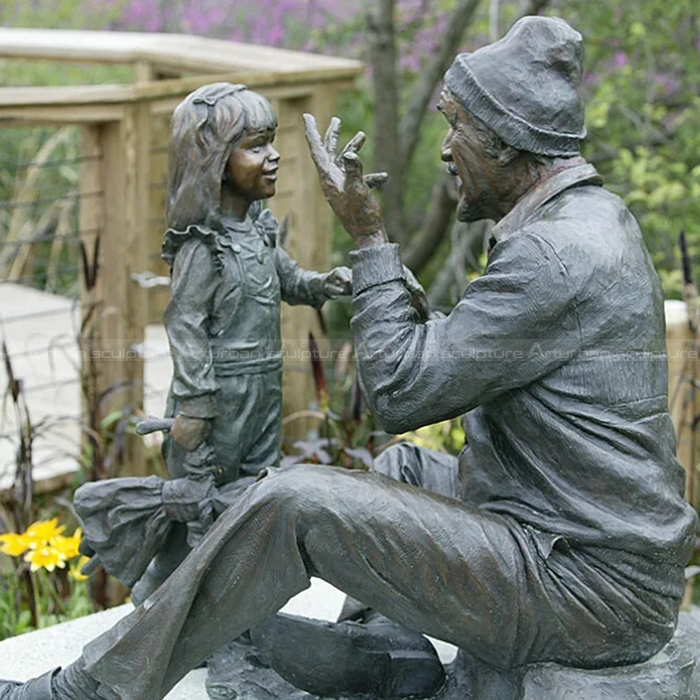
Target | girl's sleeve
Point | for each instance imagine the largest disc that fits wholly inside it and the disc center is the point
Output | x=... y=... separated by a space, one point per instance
x=187 y=317
x=299 y=286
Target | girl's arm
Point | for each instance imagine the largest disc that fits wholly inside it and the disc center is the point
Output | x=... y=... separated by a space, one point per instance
x=194 y=282
x=301 y=286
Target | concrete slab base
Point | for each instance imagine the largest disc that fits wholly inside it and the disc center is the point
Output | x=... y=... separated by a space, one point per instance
x=32 y=654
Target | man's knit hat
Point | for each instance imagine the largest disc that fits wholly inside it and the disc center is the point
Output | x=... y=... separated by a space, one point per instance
x=525 y=86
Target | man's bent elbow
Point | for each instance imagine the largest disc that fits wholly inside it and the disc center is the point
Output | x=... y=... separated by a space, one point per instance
x=393 y=416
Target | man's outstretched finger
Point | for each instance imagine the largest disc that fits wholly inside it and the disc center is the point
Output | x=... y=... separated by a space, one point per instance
x=332 y=136
x=319 y=155
x=354 y=144
x=375 y=180
x=353 y=170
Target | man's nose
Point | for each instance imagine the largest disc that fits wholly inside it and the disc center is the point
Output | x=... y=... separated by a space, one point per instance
x=445 y=149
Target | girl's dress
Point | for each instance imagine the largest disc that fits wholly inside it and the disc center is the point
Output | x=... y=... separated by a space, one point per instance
x=223 y=324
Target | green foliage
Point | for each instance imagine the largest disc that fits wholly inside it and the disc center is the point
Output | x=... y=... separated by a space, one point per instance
x=642 y=85
x=57 y=599
x=343 y=432
x=61 y=14
x=39 y=183
x=40 y=579
x=447 y=436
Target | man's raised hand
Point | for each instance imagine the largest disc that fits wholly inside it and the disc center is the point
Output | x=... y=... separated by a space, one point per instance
x=343 y=184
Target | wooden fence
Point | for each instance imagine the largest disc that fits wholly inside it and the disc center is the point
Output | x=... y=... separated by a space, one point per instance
x=123 y=163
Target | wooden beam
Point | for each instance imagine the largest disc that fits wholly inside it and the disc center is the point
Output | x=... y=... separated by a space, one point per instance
x=113 y=308
x=92 y=372
x=182 y=53
x=684 y=397
x=144 y=72
x=51 y=106
x=302 y=81
x=299 y=197
x=61 y=114
x=58 y=95
x=158 y=296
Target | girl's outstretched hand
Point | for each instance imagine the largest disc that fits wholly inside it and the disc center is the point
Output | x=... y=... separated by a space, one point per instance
x=338 y=282
x=348 y=192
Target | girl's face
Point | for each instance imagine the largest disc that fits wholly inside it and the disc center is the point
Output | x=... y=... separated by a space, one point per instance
x=251 y=169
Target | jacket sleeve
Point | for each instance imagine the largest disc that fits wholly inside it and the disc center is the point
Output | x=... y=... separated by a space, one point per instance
x=187 y=317
x=299 y=286
x=514 y=324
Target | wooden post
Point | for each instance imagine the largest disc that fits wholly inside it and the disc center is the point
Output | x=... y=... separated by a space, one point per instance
x=157 y=296
x=684 y=404
x=309 y=242
x=114 y=306
x=683 y=398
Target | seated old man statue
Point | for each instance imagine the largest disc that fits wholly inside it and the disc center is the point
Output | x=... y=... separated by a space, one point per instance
x=561 y=532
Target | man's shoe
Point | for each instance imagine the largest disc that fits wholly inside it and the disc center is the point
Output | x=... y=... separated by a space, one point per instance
x=226 y=668
x=34 y=689
x=326 y=658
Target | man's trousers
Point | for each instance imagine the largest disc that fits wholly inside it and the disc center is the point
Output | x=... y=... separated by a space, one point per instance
x=500 y=590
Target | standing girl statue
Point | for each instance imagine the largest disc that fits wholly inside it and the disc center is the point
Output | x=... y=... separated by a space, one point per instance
x=229 y=274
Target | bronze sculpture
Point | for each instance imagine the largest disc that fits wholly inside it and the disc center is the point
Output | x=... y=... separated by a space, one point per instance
x=229 y=274
x=561 y=532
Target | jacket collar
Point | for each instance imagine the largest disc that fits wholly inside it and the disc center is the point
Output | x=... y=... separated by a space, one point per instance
x=580 y=174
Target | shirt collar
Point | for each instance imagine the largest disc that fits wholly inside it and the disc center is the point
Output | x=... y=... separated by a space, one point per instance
x=234 y=225
x=541 y=193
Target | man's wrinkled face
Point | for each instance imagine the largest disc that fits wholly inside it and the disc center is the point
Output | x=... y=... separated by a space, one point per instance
x=477 y=173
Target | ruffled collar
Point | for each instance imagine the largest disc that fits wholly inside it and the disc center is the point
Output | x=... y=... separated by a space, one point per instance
x=265 y=225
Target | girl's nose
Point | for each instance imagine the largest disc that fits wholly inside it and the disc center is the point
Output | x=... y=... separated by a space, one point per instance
x=273 y=153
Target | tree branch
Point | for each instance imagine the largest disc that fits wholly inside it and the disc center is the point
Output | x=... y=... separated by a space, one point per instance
x=381 y=41
x=535 y=6
x=494 y=20
x=435 y=224
x=467 y=246
x=409 y=128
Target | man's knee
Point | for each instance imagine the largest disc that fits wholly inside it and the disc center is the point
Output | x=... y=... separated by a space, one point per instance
x=297 y=488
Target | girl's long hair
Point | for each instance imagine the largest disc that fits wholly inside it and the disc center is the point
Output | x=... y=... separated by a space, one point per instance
x=205 y=128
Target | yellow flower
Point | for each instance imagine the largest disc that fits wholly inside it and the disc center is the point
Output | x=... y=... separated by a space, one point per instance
x=43 y=531
x=45 y=557
x=75 y=568
x=14 y=545
x=68 y=546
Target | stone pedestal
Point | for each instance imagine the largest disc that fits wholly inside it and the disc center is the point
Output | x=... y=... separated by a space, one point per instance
x=672 y=674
